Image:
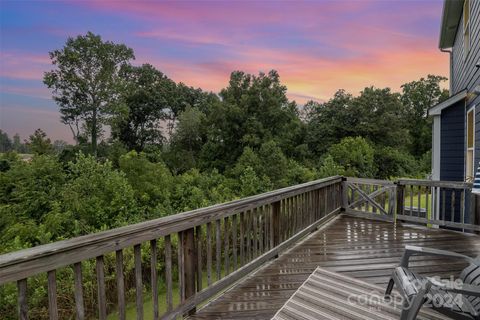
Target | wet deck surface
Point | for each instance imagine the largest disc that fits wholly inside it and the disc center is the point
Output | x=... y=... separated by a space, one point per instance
x=360 y=248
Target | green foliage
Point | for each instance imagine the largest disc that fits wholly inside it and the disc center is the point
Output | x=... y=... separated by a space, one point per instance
x=417 y=97
x=5 y=142
x=356 y=156
x=330 y=168
x=152 y=183
x=97 y=196
x=251 y=184
x=194 y=189
x=393 y=163
x=86 y=83
x=148 y=94
x=39 y=143
x=376 y=115
x=187 y=140
x=254 y=110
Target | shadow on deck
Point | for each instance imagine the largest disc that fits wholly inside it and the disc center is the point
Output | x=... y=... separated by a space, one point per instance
x=360 y=248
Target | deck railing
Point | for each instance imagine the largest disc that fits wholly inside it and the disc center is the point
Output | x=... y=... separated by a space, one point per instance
x=215 y=247
x=438 y=203
x=426 y=202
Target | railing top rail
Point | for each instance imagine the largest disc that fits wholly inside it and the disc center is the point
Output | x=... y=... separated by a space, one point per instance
x=57 y=254
x=371 y=181
x=436 y=183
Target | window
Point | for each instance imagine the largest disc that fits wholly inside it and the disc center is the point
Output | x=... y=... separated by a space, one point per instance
x=470 y=163
x=466 y=27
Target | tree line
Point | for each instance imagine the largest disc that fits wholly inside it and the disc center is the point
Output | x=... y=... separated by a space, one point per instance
x=146 y=146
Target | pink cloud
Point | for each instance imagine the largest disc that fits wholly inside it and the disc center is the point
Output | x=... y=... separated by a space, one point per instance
x=19 y=65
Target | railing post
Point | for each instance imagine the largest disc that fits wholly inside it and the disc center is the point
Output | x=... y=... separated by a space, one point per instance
x=344 y=194
x=189 y=257
x=275 y=225
x=400 y=200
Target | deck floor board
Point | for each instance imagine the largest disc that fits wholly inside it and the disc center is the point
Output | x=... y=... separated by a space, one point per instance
x=360 y=248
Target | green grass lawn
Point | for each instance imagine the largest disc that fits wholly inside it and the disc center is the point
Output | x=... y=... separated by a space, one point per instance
x=408 y=201
x=131 y=310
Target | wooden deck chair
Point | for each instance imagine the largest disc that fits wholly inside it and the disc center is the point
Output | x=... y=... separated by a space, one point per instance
x=459 y=301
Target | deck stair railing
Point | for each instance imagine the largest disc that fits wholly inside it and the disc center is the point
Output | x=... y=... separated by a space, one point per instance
x=193 y=255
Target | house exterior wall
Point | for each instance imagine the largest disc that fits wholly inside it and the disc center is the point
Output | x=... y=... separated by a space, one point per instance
x=465 y=74
x=452 y=130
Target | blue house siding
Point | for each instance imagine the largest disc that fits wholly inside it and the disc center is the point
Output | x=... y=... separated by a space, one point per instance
x=452 y=159
x=452 y=143
x=465 y=74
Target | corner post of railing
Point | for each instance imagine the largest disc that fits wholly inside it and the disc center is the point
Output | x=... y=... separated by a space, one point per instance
x=189 y=258
x=344 y=194
x=275 y=225
x=400 y=199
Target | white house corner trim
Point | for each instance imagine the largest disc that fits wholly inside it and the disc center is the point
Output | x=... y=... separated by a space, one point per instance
x=436 y=136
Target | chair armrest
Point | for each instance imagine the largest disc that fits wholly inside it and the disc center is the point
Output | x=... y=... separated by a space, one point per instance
x=461 y=288
x=413 y=250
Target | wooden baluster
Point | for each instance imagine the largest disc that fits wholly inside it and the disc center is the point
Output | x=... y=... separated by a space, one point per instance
x=227 y=245
x=318 y=205
x=254 y=230
x=120 y=284
x=411 y=200
x=242 y=238
x=209 y=254
x=367 y=191
x=444 y=197
x=102 y=299
x=266 y=238
x=452 y=215
x=52 y=295
x=295 y=212
x=137 y=252
x=22 y=299
x=78 y=283
x=168 y=272
x=218 y=248
x=198 y=252
x=427 y=192
x=419 y=200
x=325 y=202
x=234 y=241
x=400 y=199
x=154 y=277
x=261 y=228
x=189 y=264
x=248 y=216
x=181 y=267
x=275 y=226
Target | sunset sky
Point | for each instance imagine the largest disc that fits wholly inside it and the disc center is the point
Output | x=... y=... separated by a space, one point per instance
x=316 y=46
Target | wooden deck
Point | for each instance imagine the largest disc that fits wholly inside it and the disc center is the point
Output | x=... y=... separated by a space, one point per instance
x=328 y=295
x=361 y=248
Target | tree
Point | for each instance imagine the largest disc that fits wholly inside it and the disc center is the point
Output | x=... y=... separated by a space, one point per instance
x=376 y=114
x=148 y=96
x=39 y=143
x=187 y=140
x=18 y=146
x=85 y=83
x=355 y=155
x=329 y=122
x=253 y=110
x=417 y=97
x=5 y=142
